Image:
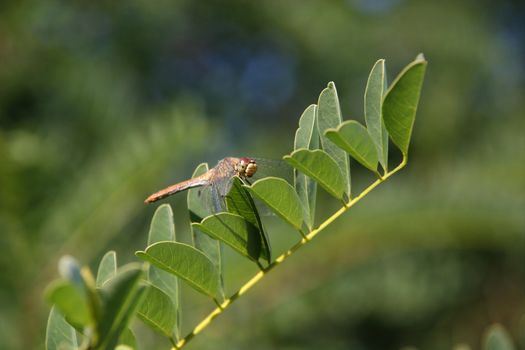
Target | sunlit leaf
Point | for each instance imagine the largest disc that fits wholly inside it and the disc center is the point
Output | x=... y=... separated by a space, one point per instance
x=400 y=103
x=107 y=269
x=127 y=339
x=162 y=228
x=198 y=210
x=497 y=338
x=374 y=92
x=157 y=310
x=321 y=167
x=329 y=116
x=124 y=347
x=241 y=203
x=186 y=262
x=281 y=198
x=354 y=139
x=59 y=334
x=235 y=231
x=116 y=295
x=307 y=136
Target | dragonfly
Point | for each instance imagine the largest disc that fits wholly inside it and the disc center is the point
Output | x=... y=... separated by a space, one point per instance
x=218 y=179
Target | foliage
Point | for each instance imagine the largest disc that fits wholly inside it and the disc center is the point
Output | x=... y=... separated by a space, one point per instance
x=101 y=309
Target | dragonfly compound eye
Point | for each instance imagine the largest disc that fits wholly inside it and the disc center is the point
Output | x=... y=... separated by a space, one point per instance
x=251 y=169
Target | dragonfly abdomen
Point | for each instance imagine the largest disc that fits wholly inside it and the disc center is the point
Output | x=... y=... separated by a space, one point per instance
x=201 y=180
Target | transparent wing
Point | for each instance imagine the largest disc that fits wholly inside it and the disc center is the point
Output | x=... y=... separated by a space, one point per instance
x=212 y=196
x=273 y=167
x=212 y=201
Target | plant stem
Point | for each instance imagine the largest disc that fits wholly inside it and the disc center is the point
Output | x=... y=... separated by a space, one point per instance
x=259 y=275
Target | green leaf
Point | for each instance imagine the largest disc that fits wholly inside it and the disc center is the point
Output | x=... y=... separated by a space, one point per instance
x=127 y=340
x=497 y=338
x=321 y=167
x=59 y=334
x=82 y=280
x=127 y=312
x=374 y=92
x=354 y=139
x=307 y=136
x=196 y=206
x=198 y=211
x=116 y=295
x=281 y=198
x=235 y=231
x=329 y=116
x=241 y=203
x=70 y=300
x=124 y=347
x=162 y=228
x=186 y=262
x=107 y=269
x=400 y=103
x=157 y=311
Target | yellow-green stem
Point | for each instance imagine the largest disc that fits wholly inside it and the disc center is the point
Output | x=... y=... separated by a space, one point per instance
x=259 y=275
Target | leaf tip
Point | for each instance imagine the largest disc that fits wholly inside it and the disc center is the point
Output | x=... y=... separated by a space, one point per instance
x=380 y=61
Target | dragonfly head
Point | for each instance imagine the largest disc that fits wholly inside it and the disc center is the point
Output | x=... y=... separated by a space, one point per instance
x=246 y=167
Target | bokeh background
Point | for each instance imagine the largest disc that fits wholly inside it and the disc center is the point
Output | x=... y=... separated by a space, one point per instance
x=102 y=103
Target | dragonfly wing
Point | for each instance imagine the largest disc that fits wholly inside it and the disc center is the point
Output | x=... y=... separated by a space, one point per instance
x=212 y=202
x=273 y=167
x=217 y=199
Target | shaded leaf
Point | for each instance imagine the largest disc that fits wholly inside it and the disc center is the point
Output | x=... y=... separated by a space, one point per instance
x=307 y=136
x=321 y=167
x=329 y=116
x=281 y=198
x=400 y=103
x=70 y=300
x=107 y=269
x=84 y=284
x=354 y=139
x=59 y=334
x=186 y=262
x=116 y=295
x=157 y=310
x=127 y=312
x=235 y=231
x=166 y=282
x=374 y=92
x=497 y=338
x=241 y=203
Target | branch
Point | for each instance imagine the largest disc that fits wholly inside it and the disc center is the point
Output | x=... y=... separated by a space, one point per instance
x=258 y=276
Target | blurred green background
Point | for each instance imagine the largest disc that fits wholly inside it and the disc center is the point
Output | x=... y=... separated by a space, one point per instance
x=102 y=103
